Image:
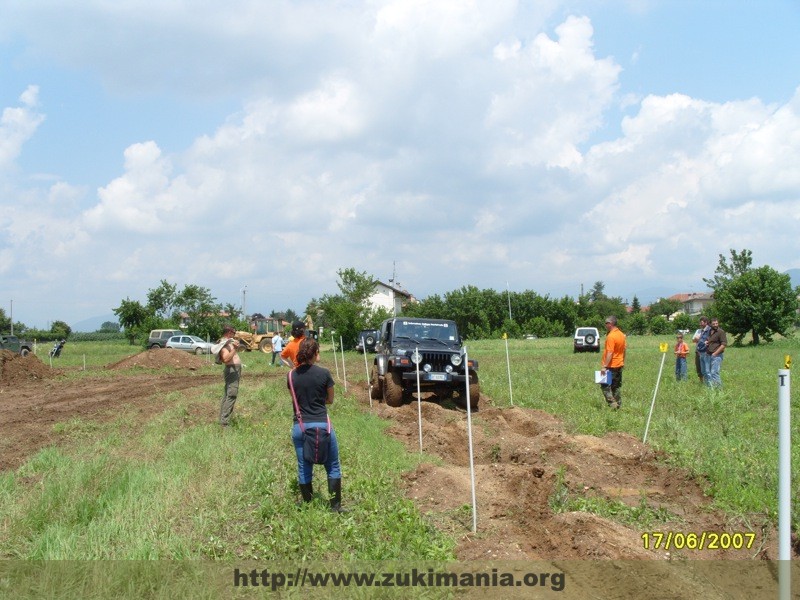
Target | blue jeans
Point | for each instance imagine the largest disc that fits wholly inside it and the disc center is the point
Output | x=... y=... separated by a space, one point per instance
x=714 y=379
x=680 y=368
x=705 y=363
x=305 y=470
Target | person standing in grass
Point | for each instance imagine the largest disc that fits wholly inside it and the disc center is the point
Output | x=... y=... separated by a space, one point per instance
x=232 y=372
x=289 y=353
x=312 y=389
x=701 y=341
x=717 y=341
x=613 y=360
x=681 y=351
x=277 y=348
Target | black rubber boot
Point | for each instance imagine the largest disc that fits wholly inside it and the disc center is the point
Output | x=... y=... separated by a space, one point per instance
x=307 y=491
x=335 y=491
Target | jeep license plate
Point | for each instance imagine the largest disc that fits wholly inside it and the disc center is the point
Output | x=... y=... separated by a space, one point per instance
x=438 y=377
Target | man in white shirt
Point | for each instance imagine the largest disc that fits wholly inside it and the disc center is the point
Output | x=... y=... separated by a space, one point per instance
x=277 y=347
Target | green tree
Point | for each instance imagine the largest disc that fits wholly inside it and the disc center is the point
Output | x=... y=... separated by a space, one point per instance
x=727 y=272
x=5 y=322
x=60 y=329
x=636 y=324
x=132 y=315
x=349 y=311
x=109 y=326
x=202 y=310
x=161 y=301
x=636 y=307
x=659 y=325
x=597 y=292
x=665 y=307
x=684 y=321
x=759 y=301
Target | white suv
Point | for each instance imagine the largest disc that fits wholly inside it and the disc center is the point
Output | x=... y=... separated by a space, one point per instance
x=586 y=339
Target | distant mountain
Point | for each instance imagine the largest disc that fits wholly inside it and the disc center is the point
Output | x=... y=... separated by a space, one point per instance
x=94 y=323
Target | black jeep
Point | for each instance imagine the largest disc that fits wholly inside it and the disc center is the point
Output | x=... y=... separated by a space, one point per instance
x=431 y=347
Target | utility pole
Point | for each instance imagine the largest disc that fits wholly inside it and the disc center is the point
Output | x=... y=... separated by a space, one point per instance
x=11 y=316
x=244 y=302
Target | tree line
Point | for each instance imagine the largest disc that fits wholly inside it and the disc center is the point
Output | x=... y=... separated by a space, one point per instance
x=757 y=301
x=754 y=301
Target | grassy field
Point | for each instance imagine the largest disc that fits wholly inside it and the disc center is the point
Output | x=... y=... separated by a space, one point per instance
x=728 y=437
x=178 y=488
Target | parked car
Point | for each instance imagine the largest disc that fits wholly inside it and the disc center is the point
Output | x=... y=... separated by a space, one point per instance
x=189 y=343
x=368 y=338
x=586 y=339
x=158 y=337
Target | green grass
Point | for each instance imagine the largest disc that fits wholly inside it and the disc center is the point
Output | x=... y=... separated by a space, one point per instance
x=172 y=489
x=177 y=487
x=727 y=437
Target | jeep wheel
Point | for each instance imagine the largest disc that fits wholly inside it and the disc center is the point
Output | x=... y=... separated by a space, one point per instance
x=589 y=340
x=265 y=345
x=474 y=392
x=392 y=389
x=376 y=393
x=24 y=352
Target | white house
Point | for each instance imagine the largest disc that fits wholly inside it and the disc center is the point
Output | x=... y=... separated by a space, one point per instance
x=389 y=297
x=694 y=303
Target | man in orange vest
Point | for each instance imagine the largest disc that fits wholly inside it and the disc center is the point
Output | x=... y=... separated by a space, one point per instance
x=613 y=361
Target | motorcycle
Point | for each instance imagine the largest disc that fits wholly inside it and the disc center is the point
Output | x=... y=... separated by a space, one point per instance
x=56 y=351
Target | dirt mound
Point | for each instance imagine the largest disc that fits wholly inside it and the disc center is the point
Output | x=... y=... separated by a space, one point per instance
x=161 y=357
x=525 y=461
x=16 y=369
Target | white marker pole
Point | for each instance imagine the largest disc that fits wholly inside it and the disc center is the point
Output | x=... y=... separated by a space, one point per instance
x=663 y=347
x=469 y=435
x=508 y=367
x=419 y=398
x=344 y=370
x=333 y=343
x=366 y=369
x=784 y=482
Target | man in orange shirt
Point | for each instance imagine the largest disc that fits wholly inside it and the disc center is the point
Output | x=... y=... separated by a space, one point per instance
x=289 y=353
x=613 y=361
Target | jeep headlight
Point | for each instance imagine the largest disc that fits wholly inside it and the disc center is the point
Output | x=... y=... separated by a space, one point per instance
x=455 y=359
x=416 y=357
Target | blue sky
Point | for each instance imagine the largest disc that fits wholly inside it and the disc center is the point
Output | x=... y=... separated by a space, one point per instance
x=542 y=145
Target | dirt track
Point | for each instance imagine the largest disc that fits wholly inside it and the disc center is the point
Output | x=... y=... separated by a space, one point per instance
x=518 y=454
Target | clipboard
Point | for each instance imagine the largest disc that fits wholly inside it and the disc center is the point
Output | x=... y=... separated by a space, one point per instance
x=602 y=378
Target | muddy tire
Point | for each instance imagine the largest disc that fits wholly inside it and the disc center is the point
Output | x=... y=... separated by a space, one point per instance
x=265 y=345
x=474 y=392
x=393 y=389
x=376 y=392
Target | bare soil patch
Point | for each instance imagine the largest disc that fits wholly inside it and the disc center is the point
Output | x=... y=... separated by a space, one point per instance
x=517 y=456
x=34 y=397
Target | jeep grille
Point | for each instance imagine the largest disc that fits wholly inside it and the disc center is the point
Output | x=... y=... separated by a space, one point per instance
x=437 y=360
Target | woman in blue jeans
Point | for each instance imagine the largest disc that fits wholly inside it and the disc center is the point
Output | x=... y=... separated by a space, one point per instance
x=312 y=388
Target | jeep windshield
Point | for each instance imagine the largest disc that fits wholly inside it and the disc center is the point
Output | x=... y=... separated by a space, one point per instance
x=443 y=332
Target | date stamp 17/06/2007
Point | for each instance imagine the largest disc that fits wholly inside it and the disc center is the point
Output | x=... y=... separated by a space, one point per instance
x=704 y=540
